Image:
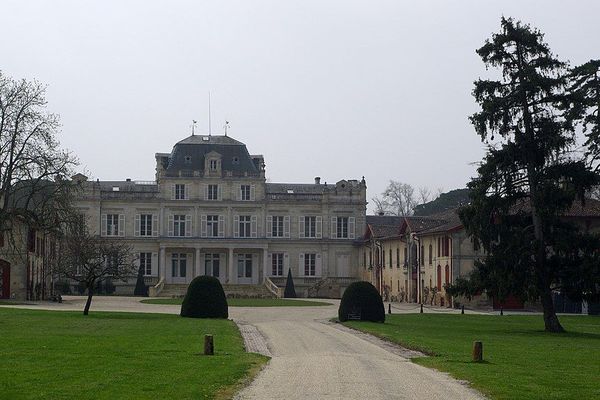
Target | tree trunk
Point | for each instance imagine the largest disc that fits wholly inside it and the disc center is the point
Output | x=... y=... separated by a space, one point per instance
x=88 y=303
x=551 y=322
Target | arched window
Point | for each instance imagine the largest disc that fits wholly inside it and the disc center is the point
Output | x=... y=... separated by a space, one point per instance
x=439 y=277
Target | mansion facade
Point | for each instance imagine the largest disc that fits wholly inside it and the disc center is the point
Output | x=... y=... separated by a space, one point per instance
x=212 y=212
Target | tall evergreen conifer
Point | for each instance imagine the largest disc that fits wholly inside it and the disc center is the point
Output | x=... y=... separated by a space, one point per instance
x=528 y=178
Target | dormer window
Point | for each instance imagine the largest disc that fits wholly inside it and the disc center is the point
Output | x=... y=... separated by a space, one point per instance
x=236 y=160
x=187 y=159
x=213 y=165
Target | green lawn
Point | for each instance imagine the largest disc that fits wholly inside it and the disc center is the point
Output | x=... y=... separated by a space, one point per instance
x=521 y=360
x=249 y=302
x=65 y=355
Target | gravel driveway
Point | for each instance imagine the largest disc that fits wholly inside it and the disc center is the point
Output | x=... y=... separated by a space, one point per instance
x=313 y=358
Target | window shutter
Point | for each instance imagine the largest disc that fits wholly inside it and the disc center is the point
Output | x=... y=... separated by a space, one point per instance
x=103 y=225
x=173 y=191
x=252 y=192
x=269 y=228
x=154 y=225
x=204 y=191
x=219 y=196
x=236 y=226
x=318 y=265
x=351 y=224
x=301 y=264
x=301 y=226
x=188 y=226
x=253 y=226
x=171 y=227
x=121 y=225
x=154 y=264
x=136 y=228
x=286 y=263
x=186 y=192
x=222 y=226
x=238 y=195
x=319 y=227
x=203 y=220
x=286 y=226
x=333 y=227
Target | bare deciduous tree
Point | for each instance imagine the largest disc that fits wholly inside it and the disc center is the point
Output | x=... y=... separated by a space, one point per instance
x=89 y=259
x=399 y=198
x=424 y=195
x=33 y=169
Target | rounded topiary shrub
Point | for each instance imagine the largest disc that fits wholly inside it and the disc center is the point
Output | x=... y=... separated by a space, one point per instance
x=361 y=301
x=205 y=298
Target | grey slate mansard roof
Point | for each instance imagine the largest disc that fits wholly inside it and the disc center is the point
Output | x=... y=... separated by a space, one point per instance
x=297 y=188
x=197 y=146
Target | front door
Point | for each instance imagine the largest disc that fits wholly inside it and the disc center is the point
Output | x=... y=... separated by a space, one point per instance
x=4 y=280
x=244 y=262
x=179 y=268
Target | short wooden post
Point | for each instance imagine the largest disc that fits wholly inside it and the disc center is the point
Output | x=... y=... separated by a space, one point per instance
x=209 y=347
x=462 y=309
x=421 y=308
x=389 y=308
x=477 y=351
x=501 y=310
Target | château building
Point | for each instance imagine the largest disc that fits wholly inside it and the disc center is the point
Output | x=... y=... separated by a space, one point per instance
x=211 y=211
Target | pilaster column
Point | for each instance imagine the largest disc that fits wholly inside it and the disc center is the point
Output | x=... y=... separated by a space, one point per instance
x=162 y=266
x=232 y=274
x=197 y=271
x=265 y=265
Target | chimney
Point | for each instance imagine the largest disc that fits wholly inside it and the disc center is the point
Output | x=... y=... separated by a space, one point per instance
x=381 y=213
x=128 y=180
x=317 y=180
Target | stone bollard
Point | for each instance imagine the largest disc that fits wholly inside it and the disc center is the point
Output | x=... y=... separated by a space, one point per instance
x=477 y=351
x=389 y=308
x=209 y=347
x=462 y=309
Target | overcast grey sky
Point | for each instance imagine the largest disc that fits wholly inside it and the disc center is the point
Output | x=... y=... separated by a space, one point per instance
x=337 y=89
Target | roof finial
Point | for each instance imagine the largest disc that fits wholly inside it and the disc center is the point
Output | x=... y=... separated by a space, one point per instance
x=209 y=124
x=226 y=126
x=193 y=126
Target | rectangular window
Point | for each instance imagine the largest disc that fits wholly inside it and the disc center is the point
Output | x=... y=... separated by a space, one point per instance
x=146 y=263
x=245 y=224
x=310 y=264
x=245 y=192
x=405 y=257
x=213 y=192
x=244 y=265
x=383 y=258
x=179 y=192
x=390 y=260
x=277 y=264
x=310 y=227
x=430 y=254
x=277 y=229
x=146 y=225
x=178 y=265
x=213 y=165
x=422 y=255
x=112 y=224
x=178 y=225
x=364 y=259
x=342 y=227
x=397 y=257
x=212 y=265
x=212 y=225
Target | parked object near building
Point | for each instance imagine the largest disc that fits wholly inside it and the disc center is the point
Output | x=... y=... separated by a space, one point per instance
x=211 y=212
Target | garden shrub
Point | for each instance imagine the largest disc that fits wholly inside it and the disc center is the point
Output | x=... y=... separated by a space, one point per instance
x=362 y=301
x=205 y=298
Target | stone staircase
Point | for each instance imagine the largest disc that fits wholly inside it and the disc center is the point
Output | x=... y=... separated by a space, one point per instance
x=231 y=291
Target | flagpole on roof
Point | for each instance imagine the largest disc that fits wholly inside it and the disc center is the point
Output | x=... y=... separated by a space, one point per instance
x=209 y=124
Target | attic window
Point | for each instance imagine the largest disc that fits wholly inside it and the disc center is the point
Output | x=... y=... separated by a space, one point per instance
x=187 y=159
x=343 y=185
x=236 y=160
x=290 y=191
x=115 y=188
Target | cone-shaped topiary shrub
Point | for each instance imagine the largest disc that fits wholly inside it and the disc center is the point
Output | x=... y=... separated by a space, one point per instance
x=361 y=301
x=205 y=298
x=290 y=291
